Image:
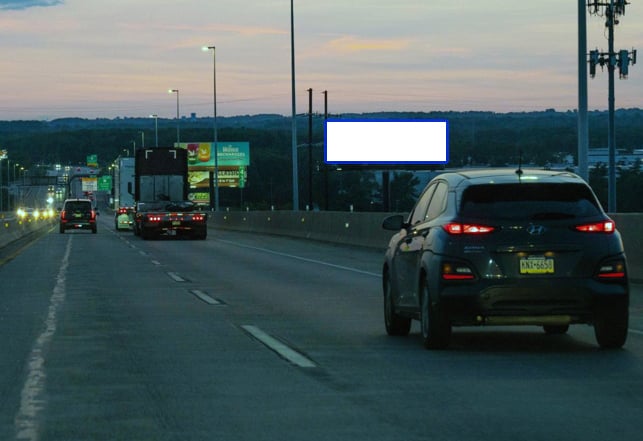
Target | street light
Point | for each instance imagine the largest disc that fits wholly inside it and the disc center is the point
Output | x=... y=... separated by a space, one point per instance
x=178 y=139
x=214 y=100
x=156 y=128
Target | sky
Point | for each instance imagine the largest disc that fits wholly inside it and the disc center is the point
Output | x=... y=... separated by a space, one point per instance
x=118 y=58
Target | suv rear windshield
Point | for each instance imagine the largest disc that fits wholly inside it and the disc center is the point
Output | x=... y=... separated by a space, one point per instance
x=78 y=206
x=529 y=201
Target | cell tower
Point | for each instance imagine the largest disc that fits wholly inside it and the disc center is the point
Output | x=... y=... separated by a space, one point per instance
x=611 y=11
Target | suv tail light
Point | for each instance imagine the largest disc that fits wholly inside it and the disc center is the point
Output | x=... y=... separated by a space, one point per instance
x=614 y=269
x=597 y=227
x=198 y=218
x=458 y=228
x=456 y=271
x=153 y=218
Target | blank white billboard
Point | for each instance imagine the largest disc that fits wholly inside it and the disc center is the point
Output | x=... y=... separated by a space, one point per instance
x=386 y=142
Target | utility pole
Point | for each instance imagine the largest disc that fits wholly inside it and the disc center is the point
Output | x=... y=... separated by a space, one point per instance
x=326 y=203
x=310 y=149
x=583 y=126
x=295 y=178
x=611 y=10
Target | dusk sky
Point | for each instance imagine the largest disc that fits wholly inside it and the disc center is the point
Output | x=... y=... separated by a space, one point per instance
x=104 y=59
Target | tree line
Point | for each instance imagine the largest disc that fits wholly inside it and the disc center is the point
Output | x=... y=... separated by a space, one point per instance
x=534 y=139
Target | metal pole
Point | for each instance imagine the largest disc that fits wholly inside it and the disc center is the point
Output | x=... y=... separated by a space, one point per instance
x=156 y=129
x=583 y=130
x=326 y=203
x=178 y=138
x=310 y=149
x=611 y=200
x=295 y=183
x=215 y=178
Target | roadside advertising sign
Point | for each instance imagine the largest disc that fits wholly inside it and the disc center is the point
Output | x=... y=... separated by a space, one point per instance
x=229 y=154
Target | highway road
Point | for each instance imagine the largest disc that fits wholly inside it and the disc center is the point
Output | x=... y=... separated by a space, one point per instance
x=248 y=337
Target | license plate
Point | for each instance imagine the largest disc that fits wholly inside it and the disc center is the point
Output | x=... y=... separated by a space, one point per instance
x=176 y=223
x=536 y=265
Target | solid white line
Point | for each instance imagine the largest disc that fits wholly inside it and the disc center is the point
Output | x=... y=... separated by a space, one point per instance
x=303 y=259
x=176 y=277
x=281 y=349
x=32 y=399
x=206 y=298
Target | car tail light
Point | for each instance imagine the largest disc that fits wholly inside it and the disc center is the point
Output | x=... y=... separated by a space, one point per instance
x=597 y=227
x=458 y=228
x=456 y=271
x=153 y=218
x=92 y=215
x=198 y=218
x=612 y=270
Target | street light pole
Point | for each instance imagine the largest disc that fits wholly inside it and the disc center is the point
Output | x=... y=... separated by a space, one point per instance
x=156 y=128
x=216 y=140
x=295 y=178
x=178 y=138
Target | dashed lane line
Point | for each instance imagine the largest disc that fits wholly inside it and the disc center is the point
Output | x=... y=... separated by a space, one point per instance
x=283 y=350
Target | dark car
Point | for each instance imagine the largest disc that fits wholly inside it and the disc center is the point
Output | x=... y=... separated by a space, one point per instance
x=78 y=214
x=506 y=247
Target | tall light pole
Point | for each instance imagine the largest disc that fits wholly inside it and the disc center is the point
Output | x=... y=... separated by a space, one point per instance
x=295 y=178
x=178 y=138
x=142 y=139
x=156 y=128
x=215 y=179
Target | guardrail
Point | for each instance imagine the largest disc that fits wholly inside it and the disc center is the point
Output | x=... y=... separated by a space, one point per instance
x=364 y=229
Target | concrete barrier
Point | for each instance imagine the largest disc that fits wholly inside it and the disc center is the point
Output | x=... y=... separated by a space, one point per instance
x=12 y=228
x=364 y=229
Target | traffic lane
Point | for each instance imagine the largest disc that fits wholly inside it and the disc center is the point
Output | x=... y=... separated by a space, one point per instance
x=542 y=384
x=132 y=355
x=27 y=279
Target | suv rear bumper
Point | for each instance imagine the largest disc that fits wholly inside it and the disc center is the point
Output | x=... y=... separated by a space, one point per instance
x=537 y=302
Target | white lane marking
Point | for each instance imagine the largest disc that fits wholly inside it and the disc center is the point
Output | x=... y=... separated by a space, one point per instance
x=206 y=298
x=281 y=349
x=176 y=277
x=303 y=259
x=635 y=331
x=32 y=399
x=156 y=262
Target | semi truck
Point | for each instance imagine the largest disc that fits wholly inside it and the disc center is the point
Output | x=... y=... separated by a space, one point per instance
x=124 y=183
x=161 y=196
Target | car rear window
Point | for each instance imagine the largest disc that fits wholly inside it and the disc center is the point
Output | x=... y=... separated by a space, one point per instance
x=78 y=206
x=529 y=201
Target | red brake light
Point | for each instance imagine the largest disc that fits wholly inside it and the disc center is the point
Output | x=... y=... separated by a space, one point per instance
x=457 y=228
x=198 y=218
x=598 y=227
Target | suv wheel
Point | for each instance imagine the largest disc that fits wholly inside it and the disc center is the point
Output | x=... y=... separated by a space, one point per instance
x=395 y=324
x=611 y=323
x=436 y=329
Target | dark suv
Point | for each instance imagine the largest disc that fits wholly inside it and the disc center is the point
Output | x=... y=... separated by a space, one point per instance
x=78 y=214
x=506 y=247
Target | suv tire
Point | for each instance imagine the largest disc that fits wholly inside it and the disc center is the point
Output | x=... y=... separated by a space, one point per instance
x=434 y=324
x=611 y=320
x=395 y=324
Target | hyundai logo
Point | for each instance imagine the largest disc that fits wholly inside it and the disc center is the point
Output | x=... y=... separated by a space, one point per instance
x=535 y=230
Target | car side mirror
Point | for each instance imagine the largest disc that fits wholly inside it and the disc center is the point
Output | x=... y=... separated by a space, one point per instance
x=394 y=223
